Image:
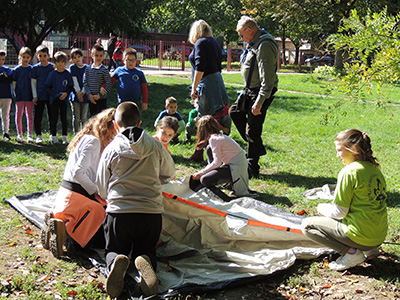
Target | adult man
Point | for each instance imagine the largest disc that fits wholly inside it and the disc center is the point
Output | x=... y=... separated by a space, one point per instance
x=110 y=50
x=263 y=85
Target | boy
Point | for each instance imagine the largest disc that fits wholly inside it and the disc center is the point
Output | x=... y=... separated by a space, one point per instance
x=59 y=85
x=166 y=130
x=5 y=95
x=130 y=173
x=171 y=105
x=39 y=74
x=191 y=127
x=23 y=94
x=95 y=76
x=132 y=84
x=79 y=100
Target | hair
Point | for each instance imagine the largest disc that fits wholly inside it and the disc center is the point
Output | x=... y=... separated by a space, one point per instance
x=199 y=29
x=99 y=125
x=206 y=126
x=76 y=51
x=170 y=100
x=60 y=57
x=42 y=48
x=97 y=48
x=3 y=53
x=129 y=51
x=127 y=115
x=170 y=122
x=25 y=50
x=358 y=143
x=246 y=22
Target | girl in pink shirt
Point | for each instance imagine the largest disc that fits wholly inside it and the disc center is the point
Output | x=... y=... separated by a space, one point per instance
x=227 y=161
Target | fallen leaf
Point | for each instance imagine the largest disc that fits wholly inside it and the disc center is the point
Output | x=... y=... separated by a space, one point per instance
x=302 y=212
x=358 y=291
x=45 y=277
x=327 y=286
x=12 y=244
x=29 y=232
x=383 y=294
x=72 y=293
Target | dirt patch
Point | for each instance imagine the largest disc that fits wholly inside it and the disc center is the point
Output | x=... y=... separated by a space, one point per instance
x=22 y=169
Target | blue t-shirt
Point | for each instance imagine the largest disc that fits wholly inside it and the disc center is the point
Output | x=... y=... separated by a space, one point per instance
x=78 y=72
x=40 y=73
x=23 y=90
x=129 y=83
x=59 y=82
x=165 y=113
x=5 y=87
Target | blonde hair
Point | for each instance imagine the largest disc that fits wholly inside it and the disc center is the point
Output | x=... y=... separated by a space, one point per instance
x=246 y=22
x=60 y=56
x=24 y=50
x=199 y=29
x=206 y=126
x=99 y=126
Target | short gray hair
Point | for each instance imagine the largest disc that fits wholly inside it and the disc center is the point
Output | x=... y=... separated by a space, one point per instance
x=246 y=22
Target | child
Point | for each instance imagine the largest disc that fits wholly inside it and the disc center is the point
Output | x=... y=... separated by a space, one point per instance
x=191 y=126
x=132 y=84
x=95 y=76
x=171 y=105
x=227 y=161
x=355 y=223
x=59 y=85
x=133 y=222
x=5 y=95
x=77 y=211
x=166 y=130
x=23 y=94
x=39 y=74
x=79 y=100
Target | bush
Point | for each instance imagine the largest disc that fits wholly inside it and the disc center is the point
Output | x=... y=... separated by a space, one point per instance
x=327 y=72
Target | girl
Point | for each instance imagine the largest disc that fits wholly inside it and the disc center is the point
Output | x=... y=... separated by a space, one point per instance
x=355 y=224
x=166 y=130
x=78 y=210
x=226 y=160
x=23 y=94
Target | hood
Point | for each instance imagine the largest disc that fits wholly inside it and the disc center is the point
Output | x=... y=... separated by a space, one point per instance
x=140 y=143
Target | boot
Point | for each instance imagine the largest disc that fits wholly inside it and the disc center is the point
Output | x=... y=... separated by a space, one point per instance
x=196 y=156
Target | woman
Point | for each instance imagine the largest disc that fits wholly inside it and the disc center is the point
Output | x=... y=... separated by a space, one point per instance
x=207 y=84
x=78 y=211
x=355 y=224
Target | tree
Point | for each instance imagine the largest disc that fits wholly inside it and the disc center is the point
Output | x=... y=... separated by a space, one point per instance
x=31 y=21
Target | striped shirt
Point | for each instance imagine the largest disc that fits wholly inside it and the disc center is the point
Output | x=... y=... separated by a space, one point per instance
x=94 y=79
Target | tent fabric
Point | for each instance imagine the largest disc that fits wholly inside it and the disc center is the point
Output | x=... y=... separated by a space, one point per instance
x=206 y=242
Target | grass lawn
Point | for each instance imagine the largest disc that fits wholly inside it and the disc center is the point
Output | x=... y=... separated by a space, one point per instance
x=298 y=132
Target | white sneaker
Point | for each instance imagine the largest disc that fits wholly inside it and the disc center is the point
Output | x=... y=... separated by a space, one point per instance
x=39 y=139
x=54 y=139
x=347 y=261
x=115 y=280
x=64 y=139
x=373 y=253
x=29 y=138
x=20 y=138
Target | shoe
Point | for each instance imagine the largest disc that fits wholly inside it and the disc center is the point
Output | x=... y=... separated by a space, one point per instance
x=20 y=138
x=232 y=194
x=6 y=137
x=347 y=261
x=54 y=139
x=45 y=232
x=64 y=140
x=196 y=156
x=58 y=237
x=39 y=139
x=29 y=138
x=371 y=254
x=149 y=281
x=253 y=173
x=115 y=280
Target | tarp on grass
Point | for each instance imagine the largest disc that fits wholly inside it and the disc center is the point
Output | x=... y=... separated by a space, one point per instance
x=208 y=243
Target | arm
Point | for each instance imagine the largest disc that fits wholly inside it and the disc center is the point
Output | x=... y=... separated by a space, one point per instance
x=14 y=85
x=332 y=211
x=144 y=95
x=34 y=91
x=198 y=75
x=181 y=127
x=103 y=175
x=215 y=146
x=167 y=166
x=107 y=80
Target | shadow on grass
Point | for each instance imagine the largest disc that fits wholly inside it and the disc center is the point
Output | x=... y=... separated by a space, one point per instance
x=293 y=180
x=56 y=151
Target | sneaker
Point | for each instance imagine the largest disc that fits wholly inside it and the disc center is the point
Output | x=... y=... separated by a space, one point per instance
x=20 y=138
x=54 y=139
x=58 y=237
x=371 y=254
x=45 y=232
x=64 y=140
x=39 y=139
x=149 y=281
x=6 y=137
x=29 y=138
x=347 y=261
x=115 y=280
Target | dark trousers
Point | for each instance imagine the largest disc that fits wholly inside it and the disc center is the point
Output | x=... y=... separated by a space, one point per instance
x=131 y=234
x=100 y=105
x=58 y=107
x=250 y=128
x=217 y=176
x=39 y=109
x=111 y=63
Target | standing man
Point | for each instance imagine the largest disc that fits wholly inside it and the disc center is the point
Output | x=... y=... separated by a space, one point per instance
x=110 y=50
x=263 y=84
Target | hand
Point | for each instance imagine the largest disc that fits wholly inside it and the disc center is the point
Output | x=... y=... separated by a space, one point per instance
x=193 y=94
x=103 y=91
x=80 y=96
x=196 y=176
x=96 y=97
x=144 y=106
x=63 y=96
x=91 y=99
x=256 y=109
x=34 y=101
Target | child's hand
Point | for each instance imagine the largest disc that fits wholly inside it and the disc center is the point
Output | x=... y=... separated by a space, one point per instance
x=195 y=119
x=80 y=96
x=96 y=97
x=144 y=106
x=103 y=91
x=34 y=101
x=196 y=176
x=91 y=99
x=63 y=96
